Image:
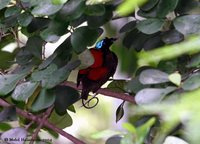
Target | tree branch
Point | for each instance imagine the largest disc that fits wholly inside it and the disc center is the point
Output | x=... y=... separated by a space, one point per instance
x=44 y=118
x=106 y=92
x=38 y=120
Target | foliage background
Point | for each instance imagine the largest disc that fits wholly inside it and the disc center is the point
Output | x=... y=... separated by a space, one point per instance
x=158 y=50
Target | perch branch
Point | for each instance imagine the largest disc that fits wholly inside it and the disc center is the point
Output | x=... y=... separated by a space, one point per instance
x=46 y=122
x=106 y=92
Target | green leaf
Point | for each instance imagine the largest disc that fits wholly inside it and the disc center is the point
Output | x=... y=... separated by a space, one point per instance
x=12 y=11
x=8 y=82
x=80 y=41
x=44 y=100
x=117 y=85
x=23 y=56
x=94 y=2
x=5 y=126
x=129 y=127
x=24 y=19
x=134 y=85
x=43 y=74
x=60 y=121
x=58 y=2
x=54 y=31
x=152 y=95
x=175 y=78
x=188 y=24
x=120 y=111
x=128 y=27
x=165 y=7
x=14 y=134
x=114 y=140
x=128 y=139
x=153 y=76
x=194 y=62
x=4 y=3
x=65 y=97
x=8 y=114
x=150 y=26
x=45 y=7
x=73 y=9
x=34 y=46
x=192 y=82
x=149 y=5
x=172 y=36
x=6 y=59
x=95 y=10
x=143 y=130
x=60 y=75
x=165 y=53
x=98 y=21
x=24 y=90
x=128 y=6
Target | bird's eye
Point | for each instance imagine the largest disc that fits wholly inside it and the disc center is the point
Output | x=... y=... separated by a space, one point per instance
x=99 y=44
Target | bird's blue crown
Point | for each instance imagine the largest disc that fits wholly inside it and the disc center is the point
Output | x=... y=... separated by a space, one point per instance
x=99 y=44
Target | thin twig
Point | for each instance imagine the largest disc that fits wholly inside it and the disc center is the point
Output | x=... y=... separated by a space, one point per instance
x=44 y=118
x=106 y=92
x=46 y=123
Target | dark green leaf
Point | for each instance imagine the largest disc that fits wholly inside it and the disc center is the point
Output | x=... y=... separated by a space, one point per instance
x=150 y=14
x=8 y=82
x=152 y=95
x=14 y=134
x=168 y=66
x=128 y=27
x=128 y=58
x=12 y=11
x=117 y=85
x=73 y=9
x=188 y=24
x=192 y=82
x=6 y=59
x=7 y=39
x=194 y=62
x=4 y=3
x=8 y=114
x=54 y=31
x=60 y=75
x=150 y=26
x=45 y=7
x=95 y=10
x=24 y=90
x=120 y=111
x=114 y=140
x=153 y=76
x=134 y=85
x=44 y=100
x=149 y=5
x=80 y=41
x=34 y=46
x=24 y=19
x=165 y=7
x=60 y=121
x=37 y=24
x=154 y=41
x=97 y=21
x=172 y=36
x=23 y=56
x=135 y=40
x=188 y=7
x=47 y=62
x=5 y=126
x=65 y=97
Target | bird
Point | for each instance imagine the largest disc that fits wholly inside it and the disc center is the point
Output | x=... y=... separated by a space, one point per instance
x=104 y=67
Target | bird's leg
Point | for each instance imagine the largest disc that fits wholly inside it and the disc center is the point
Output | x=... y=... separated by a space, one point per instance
x=87 y=103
